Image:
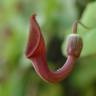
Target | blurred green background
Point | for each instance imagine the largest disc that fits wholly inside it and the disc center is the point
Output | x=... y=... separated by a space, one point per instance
x=55 y=17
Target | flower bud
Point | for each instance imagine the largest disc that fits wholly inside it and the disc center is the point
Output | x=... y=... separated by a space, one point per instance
x=74 y=45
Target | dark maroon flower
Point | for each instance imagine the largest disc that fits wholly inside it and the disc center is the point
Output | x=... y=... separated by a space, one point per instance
x=37 y=53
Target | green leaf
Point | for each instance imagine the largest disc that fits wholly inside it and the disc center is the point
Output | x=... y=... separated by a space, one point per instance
x=85 y=72
x=89 y=16
x=88 y=36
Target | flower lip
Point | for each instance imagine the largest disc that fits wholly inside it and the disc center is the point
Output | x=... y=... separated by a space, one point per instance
x=34 y=37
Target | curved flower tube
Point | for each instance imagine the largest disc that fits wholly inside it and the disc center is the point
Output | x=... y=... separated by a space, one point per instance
x=36 y=52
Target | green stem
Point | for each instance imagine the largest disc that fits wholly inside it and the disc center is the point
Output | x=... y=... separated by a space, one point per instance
x=75 y=25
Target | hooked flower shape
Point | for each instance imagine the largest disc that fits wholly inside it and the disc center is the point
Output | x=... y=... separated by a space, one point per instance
x=36 y=52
